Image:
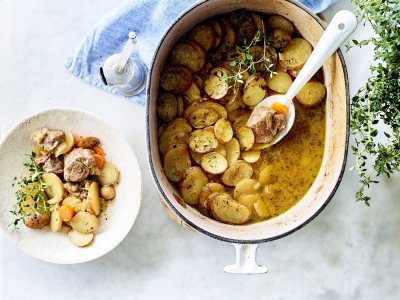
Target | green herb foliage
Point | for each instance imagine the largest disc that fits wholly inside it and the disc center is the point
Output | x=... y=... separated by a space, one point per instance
x=31 y=188
x=379 y=100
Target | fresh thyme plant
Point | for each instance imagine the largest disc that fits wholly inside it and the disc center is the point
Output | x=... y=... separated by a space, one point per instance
x=379 y=100
x=32 y=187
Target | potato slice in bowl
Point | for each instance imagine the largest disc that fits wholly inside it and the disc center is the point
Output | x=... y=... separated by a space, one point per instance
x=214 y=163
x=191 y=185
x=176 y=161
x=202 y=141
x=223 y=130
x=215 y=84
x=227 y=210
x=236 y=172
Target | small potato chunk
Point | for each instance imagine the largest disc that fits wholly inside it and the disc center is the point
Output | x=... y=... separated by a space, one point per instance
x=203 y=117
x=227 y=210
x=214 y=163
x=202 y=141
x=247 y=200
x=206 y=191
x=167 y=107
x=84 y=222
x=251 y=156
x=55 y=220
x=109 y=174
x=236 y=172
x=37 y=220
x=246 y=186
x=176 y=132
x=88 y=142
x=312 y=94
x=232 y=151
x=280 y=82
x=79 y=207
x=266 y=175
x=54 y=185
x=258 y=146
x=65 y=146
x=279 y=38
x=296 y=53
x=254 y=90
x=267 y=57
x=206 y=104
x=192 y=94
x=246 y=138
x=176 y=161
x=264 y=207
x=80 y=239
x=192 y=183
x=107 y=192
x=93 y=198
x=279 y=22
x=71 y=200
x=221 y=149
x=215 y=84
x=223 y=130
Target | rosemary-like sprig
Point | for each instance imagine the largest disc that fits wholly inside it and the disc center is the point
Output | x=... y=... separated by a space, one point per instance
x=30 y=188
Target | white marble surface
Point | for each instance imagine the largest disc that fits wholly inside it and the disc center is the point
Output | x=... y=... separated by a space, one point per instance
x=349 y=251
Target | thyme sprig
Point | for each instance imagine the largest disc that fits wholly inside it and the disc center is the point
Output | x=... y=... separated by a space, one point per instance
x=378 y=102
x=30 y=191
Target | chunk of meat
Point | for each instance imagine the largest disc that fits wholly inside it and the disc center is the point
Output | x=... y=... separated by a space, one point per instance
x=77 y=164
x=266 y=123
x=48 y=139
x=50 y=164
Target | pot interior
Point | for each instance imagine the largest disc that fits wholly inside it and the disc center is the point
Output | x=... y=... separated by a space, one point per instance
x=336 y=137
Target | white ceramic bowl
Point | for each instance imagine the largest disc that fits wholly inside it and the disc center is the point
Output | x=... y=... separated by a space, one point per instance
x=120 y=214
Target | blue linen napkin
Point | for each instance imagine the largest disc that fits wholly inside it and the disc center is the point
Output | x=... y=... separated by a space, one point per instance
x=150 y=19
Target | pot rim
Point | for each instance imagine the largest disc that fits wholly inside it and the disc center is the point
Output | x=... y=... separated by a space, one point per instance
x=148 y=147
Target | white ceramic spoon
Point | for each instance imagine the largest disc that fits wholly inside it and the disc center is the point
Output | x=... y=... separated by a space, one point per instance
x=342 y=25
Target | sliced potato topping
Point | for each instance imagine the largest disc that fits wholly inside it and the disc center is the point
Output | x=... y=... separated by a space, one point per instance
x=206 y=191
x=202 y=141
x=214 y=163
x=246 y=138
x=313 y=93
x=203 y=117
x=254 y=90
x=176 y=161
x=251 y=156
x=280 y=82
x=232 y=150
x=236 y=172
x=296 y=53
x=246 y=186
x=227 y=210
x=223 y=130
x=191 y=185
x=215 y=84
x=167 y=106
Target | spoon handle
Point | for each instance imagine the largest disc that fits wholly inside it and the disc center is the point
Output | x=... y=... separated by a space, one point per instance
x=339 y=29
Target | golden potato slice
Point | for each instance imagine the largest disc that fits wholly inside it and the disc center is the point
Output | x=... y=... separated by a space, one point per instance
x=240 y=121
x=176 y=161
x=296 y=53
x=280 y=82
x=191 y=185
x=93 y=198
x=278 y=38
x=180 y=106
x=230 y=37
x=246 y=138
x=55 y=220
x=80 y=239
x=258 y=22
x=216 y=84
x=223 y=130
x=258 y=146
x=176 y=132
x=312 y=94
x=247 y=200
x=54 y=200
x=232 y=151
x=54 y=185
x=266 y=175
x=279 y=22
x=204 y=35
x=176 y=79
x=79 y=207
x=196 y=156
x=65 y=146
x=206 y=191
x=236 y=172
x=265 y=58
x=227 y=210
x=251 y=156
x=192 y=94
x=203 y=117
x=84 y=222
x=202 y=141
x=71 y=201
x=214 y=163
x=264 y=207
x=109 y=174
x=246 y=186
x=188 y=55
x=206 y=104
x=221 y=149
x=254 y=90
x=167 y=107
x=236 y=53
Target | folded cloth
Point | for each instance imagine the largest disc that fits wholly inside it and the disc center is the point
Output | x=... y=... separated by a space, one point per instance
x=149 y=19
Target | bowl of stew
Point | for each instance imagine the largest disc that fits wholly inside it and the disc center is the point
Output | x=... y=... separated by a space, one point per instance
x=212 y=168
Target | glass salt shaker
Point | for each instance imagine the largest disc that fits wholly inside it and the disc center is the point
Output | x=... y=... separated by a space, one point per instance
x=126 y=74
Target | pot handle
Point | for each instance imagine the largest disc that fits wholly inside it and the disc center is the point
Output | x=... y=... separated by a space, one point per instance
x=246 y=263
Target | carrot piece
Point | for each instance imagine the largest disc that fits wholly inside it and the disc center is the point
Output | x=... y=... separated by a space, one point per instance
x=279 y=108
x=98 y=150
x=99 y=160
x=66 y=212
x=77 y=140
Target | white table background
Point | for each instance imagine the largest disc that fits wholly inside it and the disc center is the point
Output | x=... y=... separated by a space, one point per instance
x=349 y=251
